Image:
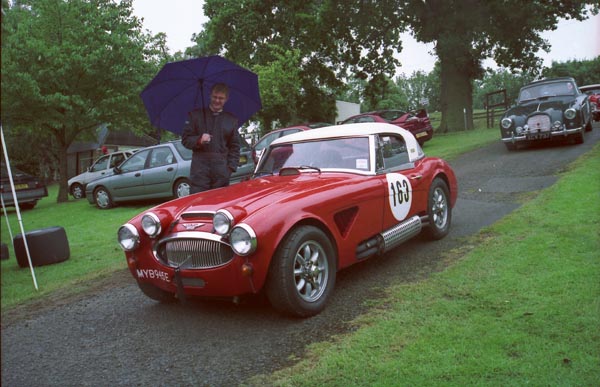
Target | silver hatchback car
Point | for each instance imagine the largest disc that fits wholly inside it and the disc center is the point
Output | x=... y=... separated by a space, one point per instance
x=159 y=171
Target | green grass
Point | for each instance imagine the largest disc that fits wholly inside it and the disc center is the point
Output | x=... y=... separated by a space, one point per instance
x=92 y=241
x=521 y=308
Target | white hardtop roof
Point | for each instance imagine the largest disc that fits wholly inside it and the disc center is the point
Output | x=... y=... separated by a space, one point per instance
x=360 y=129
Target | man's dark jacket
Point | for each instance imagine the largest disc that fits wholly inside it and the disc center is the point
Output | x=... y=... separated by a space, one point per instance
x=225 y=141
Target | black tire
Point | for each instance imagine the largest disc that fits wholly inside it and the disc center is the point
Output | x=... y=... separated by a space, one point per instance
x=588 y=127
x=46 y=246
x=292 y=275
x=439 y=210
x=156 y=293
x=102 y=198
x=510 y=146
x=181 y=188
x=77 y=191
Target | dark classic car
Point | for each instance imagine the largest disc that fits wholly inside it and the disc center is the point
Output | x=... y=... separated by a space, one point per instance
x=29 y=189
x=594 y=92
x=550 y=109
x=417 y=122
x=319 y=201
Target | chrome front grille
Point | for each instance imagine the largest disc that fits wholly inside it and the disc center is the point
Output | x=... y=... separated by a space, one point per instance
x=539 y=122
x=193 y=250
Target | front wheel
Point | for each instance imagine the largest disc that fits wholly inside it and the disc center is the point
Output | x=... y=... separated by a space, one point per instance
x=439 y=210
x=102 y=198
x=302 y=273
x=77 y=191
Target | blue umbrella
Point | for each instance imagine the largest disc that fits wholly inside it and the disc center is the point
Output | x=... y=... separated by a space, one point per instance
x=180 y=87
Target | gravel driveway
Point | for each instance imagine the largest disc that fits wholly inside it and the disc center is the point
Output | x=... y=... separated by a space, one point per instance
x=118 y=337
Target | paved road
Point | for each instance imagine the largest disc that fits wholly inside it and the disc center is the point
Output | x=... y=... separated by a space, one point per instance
x=118 y=337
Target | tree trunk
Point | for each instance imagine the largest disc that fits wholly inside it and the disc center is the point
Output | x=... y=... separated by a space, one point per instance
x=63 y=189
x=456 y=96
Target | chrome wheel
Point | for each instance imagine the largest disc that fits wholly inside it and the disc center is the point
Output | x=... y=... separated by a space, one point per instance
x=310 y=271
x=439 y=208
x=182 y=188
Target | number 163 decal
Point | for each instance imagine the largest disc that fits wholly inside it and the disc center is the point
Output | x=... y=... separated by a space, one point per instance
x=400 y=195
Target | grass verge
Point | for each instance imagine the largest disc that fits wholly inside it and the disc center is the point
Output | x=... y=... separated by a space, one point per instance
x=522 y=308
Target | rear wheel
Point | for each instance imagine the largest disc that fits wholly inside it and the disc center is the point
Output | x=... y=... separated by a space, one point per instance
x=439 y=210
x=77 y=191
x=102 y=198
x=181 y=188
x=302 y=273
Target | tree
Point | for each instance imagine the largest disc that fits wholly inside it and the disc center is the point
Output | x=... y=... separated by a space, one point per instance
x=467 y=31
x=336 y=40
x=69 y=66
x=585 y=72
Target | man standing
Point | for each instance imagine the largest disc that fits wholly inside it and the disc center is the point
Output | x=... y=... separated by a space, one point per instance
x=213 y=136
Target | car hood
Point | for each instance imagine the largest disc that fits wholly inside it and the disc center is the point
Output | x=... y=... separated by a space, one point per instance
x=256 y=194
x=542 y=104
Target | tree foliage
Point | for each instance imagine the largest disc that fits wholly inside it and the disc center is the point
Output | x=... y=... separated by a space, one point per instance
x=69 y=66
x=335 y=40
x=586 y=72
x=467 y=31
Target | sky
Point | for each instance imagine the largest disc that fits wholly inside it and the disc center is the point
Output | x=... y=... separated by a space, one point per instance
x=181 y=18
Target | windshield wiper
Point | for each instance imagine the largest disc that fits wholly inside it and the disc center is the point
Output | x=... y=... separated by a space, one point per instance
x=285 y=171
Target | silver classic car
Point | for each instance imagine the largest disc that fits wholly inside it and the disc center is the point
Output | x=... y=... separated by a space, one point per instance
x=546 y=110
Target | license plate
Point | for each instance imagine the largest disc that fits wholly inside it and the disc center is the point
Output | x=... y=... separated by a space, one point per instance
x=21 y=186
x=538 y=136
x=421 y=134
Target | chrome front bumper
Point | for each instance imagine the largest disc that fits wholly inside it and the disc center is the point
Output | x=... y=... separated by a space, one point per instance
x=529 y=136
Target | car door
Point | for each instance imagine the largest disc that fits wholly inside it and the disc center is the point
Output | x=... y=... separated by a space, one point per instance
x=129 y=182
x=160 y=173
x=400 y=177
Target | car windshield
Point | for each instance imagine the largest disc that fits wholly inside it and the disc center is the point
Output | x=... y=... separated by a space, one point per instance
x=550 y=89
x=350 y=153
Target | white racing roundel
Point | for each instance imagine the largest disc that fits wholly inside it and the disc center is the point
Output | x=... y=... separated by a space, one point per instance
x=400 y=194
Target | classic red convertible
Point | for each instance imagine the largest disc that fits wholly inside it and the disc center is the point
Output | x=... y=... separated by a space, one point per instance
x=320 y=200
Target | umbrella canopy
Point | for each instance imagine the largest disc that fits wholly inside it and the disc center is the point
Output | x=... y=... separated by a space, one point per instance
x=180 y=87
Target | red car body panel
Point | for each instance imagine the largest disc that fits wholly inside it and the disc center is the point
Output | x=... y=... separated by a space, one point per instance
x=306 y=198
x=417 y=123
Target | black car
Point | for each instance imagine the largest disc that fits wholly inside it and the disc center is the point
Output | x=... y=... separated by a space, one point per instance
x=547 y=110
x=28 y=188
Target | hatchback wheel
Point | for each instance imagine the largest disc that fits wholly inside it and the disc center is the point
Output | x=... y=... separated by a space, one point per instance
x=77 y=191
x=102 y=198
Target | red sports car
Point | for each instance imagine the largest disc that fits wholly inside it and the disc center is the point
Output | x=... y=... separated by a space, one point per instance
x=319 y=201
x=417 y=123
x=594 y=92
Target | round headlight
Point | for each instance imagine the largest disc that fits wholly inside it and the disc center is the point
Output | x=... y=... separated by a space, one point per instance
x=570 y=113
x=128 y=237
x=506 y=123
x=222 y=222
x=151 y=224
x=519 y=130
x=243 y=240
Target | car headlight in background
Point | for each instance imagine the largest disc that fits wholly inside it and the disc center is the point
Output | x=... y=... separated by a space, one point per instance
x=128 y=237
x=243 y=240
x=570 y=113
x=506 y=123
x=222 y=222
x=151 y=224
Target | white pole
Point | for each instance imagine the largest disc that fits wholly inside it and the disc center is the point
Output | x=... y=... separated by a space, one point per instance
x=6 y=217
x=12 y=187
